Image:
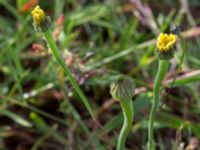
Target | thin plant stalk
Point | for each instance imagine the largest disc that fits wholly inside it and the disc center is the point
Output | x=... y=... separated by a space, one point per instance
x=127 y=108
x=162 y=69
x=50 y=40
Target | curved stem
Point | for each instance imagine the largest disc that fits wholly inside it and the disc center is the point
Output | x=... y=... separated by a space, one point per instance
x=52 y=45
x=127 y=108
x=162 y=69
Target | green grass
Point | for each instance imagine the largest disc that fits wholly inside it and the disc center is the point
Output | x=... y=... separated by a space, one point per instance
x=39 y=109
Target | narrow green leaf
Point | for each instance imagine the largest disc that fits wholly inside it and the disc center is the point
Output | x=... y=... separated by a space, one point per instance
x=16 y=118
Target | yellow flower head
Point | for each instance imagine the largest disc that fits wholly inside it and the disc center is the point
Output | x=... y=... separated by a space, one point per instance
x=38 y=15
x=166 y=41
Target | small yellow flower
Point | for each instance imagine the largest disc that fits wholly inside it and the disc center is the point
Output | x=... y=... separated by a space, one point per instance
x=38 y=15
x=166 y=41
x=41 y=22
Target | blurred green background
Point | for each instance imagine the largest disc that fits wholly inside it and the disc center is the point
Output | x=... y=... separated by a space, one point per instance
x=99 y=40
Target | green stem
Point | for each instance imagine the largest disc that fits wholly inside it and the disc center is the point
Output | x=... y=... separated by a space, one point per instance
x=162 y=69
x=127 y=107
x=52 y=45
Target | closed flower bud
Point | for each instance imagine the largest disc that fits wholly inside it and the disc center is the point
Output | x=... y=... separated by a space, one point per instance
x=122 y=89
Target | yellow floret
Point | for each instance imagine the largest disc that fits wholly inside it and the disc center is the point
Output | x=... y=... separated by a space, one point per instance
x=166 y=41
x=38 y=15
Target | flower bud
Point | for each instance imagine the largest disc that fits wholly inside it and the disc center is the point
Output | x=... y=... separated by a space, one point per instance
x=122 y=89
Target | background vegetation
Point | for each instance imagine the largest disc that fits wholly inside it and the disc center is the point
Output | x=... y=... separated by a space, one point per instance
x=99 y=40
